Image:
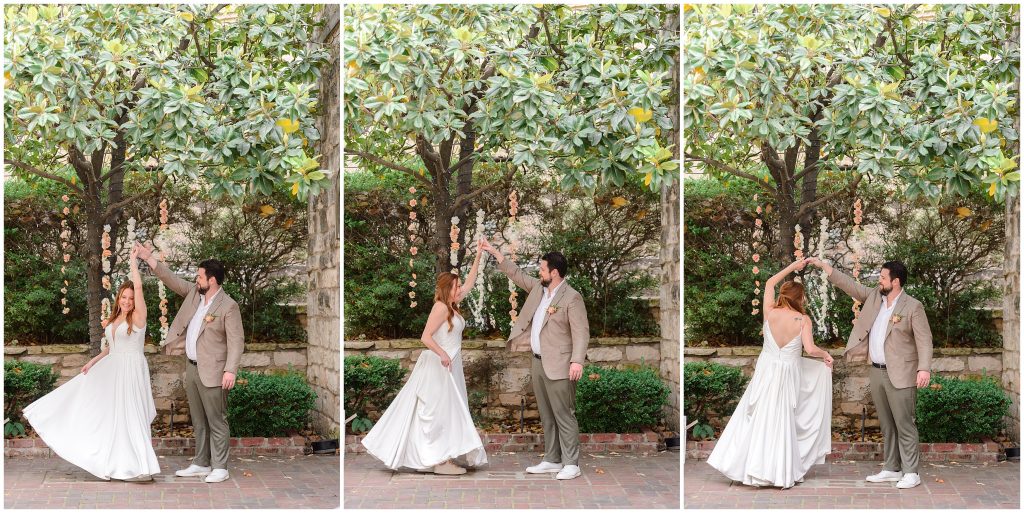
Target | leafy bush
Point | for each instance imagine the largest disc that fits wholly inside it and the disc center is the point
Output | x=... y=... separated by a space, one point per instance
x=639 y=399
x=371 y=383
x=710 y=389
x=24 y=382
x=269 y=404
x=259 y=243
x=961 y=410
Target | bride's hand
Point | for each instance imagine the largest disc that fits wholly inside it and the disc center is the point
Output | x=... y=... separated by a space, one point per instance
x=85 y=368
x=828 y=360
x=446 y=360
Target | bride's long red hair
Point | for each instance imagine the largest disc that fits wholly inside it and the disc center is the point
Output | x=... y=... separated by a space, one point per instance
x=443 y=294
x=791 y=295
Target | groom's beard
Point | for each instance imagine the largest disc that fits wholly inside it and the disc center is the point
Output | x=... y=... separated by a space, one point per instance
x=885 y=292
x=545 y=283
x=203 y=290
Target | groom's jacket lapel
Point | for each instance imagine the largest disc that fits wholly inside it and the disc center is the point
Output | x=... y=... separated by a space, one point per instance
x=554 y=301
x=217 y=302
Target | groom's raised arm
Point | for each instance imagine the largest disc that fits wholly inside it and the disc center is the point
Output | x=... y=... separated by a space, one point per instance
x=849 y=285
x=514 y=273
x=173 y=281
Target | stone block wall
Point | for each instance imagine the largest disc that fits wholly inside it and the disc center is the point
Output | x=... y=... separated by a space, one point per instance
x=850 y=387
x=323 y=298
x=511 y=382
x=167 y=373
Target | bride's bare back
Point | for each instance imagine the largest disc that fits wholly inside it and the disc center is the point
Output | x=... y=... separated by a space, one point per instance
x=785 y=324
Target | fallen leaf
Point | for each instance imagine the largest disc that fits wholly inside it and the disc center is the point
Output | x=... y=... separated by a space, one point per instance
x=247 y=474
x=599 y=471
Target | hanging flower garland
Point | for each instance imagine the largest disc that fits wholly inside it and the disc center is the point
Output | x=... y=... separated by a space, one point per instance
x=105 y=258
x=453 y=252
x=161 y=289
x=478 y=303
x=65 y=237
x=858 y=232
x=758 y=235
x=413 y=228
x=822 y=285
x=798 y=245
x=513 y=211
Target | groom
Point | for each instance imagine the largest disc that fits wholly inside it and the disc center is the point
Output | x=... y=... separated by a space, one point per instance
x=892 y=333
x=553 y=326
x=208 y=331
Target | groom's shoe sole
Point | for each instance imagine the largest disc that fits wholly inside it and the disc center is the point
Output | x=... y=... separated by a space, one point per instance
x=884 y=480
x=197 y=474
x=552 y=471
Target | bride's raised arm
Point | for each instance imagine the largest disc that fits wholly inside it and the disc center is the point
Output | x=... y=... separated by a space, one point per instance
x=471 y=277
x=769 y=286
x=139 y=315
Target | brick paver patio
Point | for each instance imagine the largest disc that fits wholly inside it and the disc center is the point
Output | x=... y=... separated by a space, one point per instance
x=841 y=485
x=300 y=482
x=609 y=480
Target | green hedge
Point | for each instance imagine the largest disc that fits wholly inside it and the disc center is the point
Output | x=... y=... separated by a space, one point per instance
x=619 y=401
x=710 y=389
x=269 y=404
x=24 y=382
x=961 y=409
x=371 y=383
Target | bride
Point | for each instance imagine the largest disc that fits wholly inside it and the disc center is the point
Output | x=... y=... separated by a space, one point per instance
x=100 y=419
x=428 y=425
x=782 y=424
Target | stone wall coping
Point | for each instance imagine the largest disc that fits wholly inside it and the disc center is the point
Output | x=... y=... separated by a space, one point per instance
x=756 y=350
x=648 y=441
x=872 y=451
x=57 y=349
x=174 y=446
x=415 y=343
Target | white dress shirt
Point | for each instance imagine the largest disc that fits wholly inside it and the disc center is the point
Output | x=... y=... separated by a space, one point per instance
x=196 y=324
x=540 y=315
x=876 y=337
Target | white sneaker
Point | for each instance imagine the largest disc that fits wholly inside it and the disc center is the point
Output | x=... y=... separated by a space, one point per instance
x=193 y=471
x=218 y=475
x=885 y=476
x=909 y=481
x=569 y=472
x=544 y=467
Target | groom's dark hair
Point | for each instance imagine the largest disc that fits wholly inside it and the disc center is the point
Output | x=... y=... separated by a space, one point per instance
x=896 y=270
x=214 y=269
x=557 y=261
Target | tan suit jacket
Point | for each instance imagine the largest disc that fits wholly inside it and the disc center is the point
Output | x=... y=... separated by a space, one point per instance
x=908 y=339
x=566 y=333
x=221 y=340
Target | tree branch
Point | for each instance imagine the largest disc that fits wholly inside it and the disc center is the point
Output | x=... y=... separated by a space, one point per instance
x=810 y=206
x=731 y=170
x=38 y=172
x=127 y=201
x=466 y=198
x=390 y=165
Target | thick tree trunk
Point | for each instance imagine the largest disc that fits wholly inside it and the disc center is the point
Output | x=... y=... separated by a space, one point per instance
x=1011 y=284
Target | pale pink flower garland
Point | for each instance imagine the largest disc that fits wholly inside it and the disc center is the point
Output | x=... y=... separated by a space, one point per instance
x=413 y=250
x=757 y=246
x=65 y=237
x=513 y=211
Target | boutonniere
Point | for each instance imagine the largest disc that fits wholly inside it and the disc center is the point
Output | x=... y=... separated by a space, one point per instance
x=552 y=310
x=897 y=318
x=210 y=318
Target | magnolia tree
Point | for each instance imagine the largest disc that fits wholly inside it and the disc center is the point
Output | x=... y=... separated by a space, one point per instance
x=443 y=92
x=222 y=95
x=788 y=96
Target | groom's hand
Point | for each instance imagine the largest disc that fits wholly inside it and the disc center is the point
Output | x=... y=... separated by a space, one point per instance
x=923 y=378
x=575 y=371
x=228 y=381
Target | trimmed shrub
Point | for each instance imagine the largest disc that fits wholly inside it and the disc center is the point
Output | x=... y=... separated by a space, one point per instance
x=639 y=399
x=24 y=382
x=269 y=404
x=710 y=388
x=961 y=410
x=371 y=383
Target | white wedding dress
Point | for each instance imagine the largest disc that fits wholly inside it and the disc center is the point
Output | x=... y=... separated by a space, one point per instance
x=100 y=421
x=429 y=421
x=782 y=424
